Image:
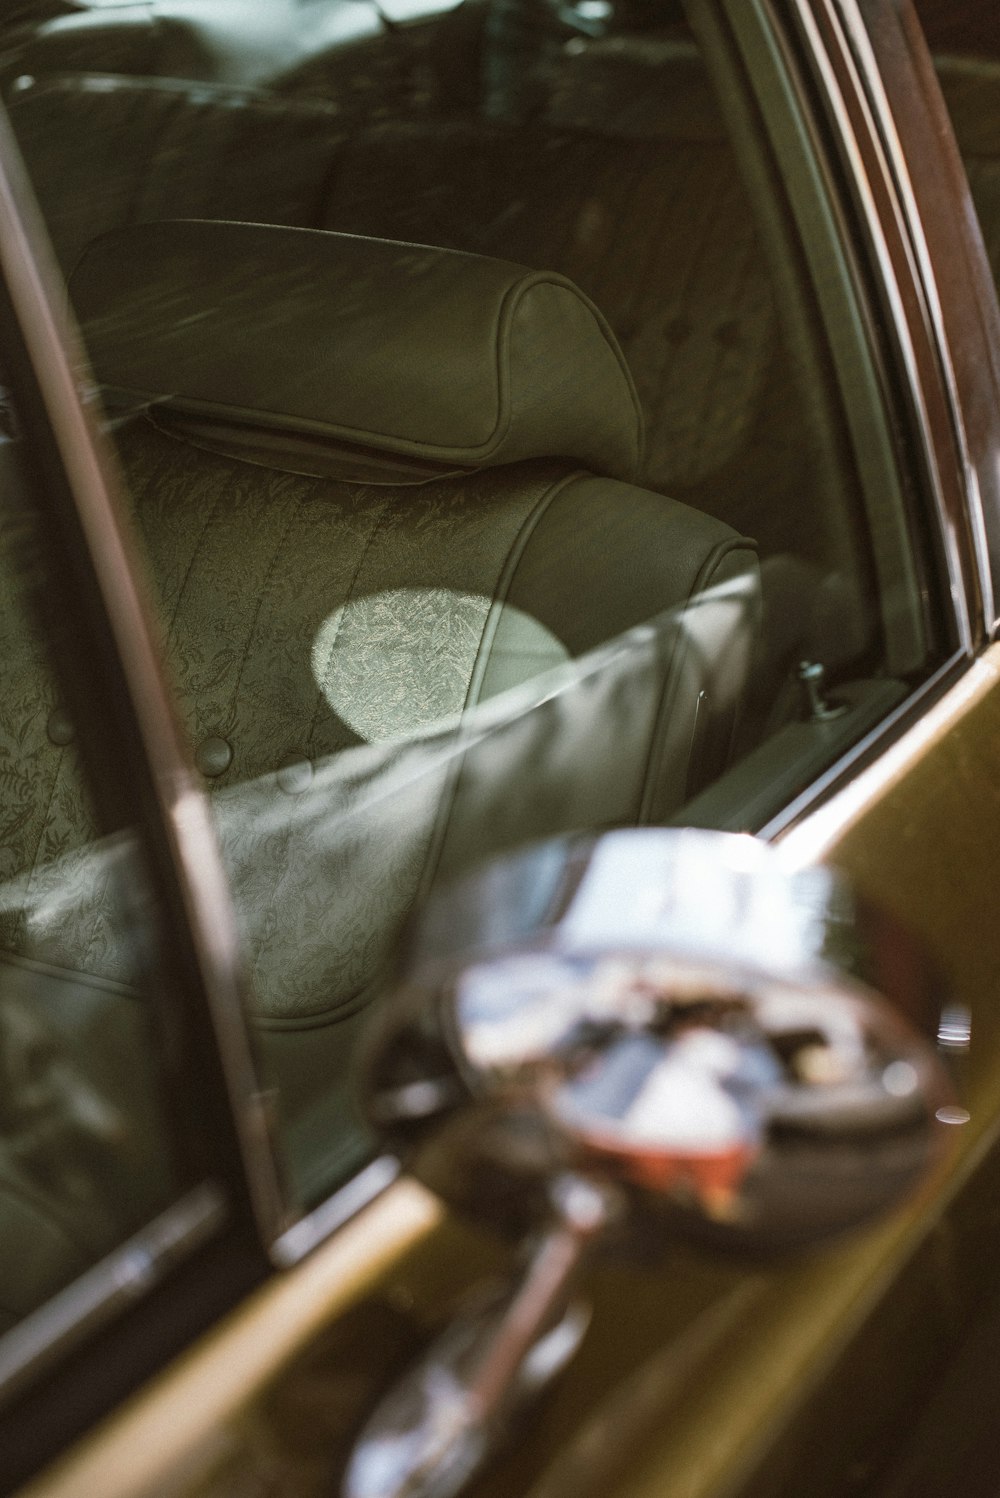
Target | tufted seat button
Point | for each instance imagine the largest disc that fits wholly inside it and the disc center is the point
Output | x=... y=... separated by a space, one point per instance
x=295 y=774
x=213 y=756
x=60 y=728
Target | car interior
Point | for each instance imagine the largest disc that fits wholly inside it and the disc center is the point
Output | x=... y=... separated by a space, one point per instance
x=490 y=474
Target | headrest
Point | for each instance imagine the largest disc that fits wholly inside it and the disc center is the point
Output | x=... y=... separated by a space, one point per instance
x=364 y=358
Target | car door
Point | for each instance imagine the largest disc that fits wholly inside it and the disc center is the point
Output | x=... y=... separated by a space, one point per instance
x=703 y=1376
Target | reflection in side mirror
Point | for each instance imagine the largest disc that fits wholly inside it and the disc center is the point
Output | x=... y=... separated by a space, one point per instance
x=746 y=1052
x=669 y=1027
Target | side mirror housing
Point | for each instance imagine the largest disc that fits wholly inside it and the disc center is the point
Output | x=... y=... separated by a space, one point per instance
x=745 y=1053
x=608 y=1043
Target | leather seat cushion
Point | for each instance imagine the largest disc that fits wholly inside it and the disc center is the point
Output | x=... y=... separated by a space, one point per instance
x=306 y=617
x=331 y=639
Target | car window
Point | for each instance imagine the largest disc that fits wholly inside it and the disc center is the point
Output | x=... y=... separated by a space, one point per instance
x=505 y=442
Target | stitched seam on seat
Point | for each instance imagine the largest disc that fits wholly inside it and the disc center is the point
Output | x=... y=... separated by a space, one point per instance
x=252 y=630
x=515 y=553
x=186 y=699
x=321 y=1019
x=190 y=568
x=661 y=723
x=505 y=325
x=139 y=500
x=449 y=792
x=61 y=973
x=718 y=554
x=321 y=699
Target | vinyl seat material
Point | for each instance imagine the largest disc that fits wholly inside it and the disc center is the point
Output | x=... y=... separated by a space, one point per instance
x=367 y=511
x=380 y=484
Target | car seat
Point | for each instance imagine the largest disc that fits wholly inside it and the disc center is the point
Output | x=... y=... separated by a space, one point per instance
x=380 y=484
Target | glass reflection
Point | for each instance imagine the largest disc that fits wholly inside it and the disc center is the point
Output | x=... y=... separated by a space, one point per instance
x=747 y=1052
x=676 y=1076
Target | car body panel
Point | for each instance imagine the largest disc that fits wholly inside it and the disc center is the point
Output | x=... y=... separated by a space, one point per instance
x=709 y=1377
x=192 y=1418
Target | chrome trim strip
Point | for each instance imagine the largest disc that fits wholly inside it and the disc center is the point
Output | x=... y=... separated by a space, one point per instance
x=878 y=243
x=118 y=1280
x=357 y=1193
x=878 y=102
x=878 y=740
x=815 y=838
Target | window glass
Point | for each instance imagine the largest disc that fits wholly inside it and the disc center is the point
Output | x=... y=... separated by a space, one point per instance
x=85 y=1159
x=507 y=460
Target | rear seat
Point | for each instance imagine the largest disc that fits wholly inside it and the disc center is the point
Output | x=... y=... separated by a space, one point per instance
x=694 y=313
x=104 y=151
x=347 y=558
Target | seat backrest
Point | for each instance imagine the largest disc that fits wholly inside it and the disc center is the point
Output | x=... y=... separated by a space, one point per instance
x=698 y=327
x=105 y=150
x=696 y=319
x=380 y=484
x=625 y=180
x=631 y=159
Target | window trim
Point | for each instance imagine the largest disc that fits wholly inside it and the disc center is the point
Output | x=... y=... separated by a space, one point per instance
x=909 y=346
x=832 y=36
x=109 y=1286
x=759 y=51
x=77 y=500
x=912 y=206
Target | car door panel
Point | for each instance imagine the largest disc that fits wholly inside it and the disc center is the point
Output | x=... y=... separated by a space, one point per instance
x=698 y=1375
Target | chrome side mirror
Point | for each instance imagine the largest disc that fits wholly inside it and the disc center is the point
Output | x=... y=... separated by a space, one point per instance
x=615 y=1041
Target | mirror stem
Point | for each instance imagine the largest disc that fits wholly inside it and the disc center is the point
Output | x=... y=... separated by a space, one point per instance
x=451 y=1410
x=582 y=1210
